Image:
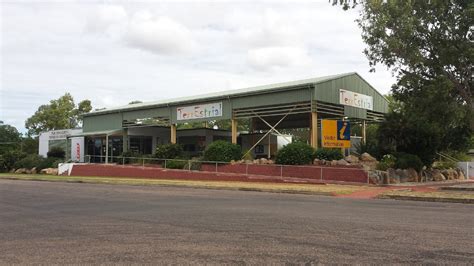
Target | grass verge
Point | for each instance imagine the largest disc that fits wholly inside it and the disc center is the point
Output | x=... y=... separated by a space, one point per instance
x=436 y=196
x=323 y=189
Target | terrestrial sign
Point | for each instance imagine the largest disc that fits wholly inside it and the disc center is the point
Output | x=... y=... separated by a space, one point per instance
x=355 y=99
x=336 y=134
x=200 y=111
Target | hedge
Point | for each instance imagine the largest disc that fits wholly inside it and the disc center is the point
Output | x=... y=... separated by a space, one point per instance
x=296 y=153
x=222 y=151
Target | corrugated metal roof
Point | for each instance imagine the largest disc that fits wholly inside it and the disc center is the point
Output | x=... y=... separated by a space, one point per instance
x=221 y=94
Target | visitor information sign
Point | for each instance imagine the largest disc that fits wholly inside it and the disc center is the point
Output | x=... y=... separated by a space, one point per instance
x=200 y=111
x=336 y=134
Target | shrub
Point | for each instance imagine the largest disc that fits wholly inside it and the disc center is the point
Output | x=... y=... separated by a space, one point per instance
x=176 y=164
x=30 y=161
x=295 y=153
x=328 y=154
x=50 y=162
x=9 y=159
x=222 y=151
x=387 y=161
x=444 y=164
x=56 y=152
x=406 y=160
x=169 y=151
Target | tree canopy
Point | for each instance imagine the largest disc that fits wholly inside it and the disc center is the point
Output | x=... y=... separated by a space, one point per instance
x=427 y=46
x=61 y=113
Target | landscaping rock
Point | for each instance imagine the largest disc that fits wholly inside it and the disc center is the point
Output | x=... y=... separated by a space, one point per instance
x=352 y=159
x=377 y=177
x=22 y=171
x=436 y=175
x=365 y=157
x=50 y=171
x=461 y=175
x=342 y=162
x=412 y=175
x=333 y=163
x=33 y=171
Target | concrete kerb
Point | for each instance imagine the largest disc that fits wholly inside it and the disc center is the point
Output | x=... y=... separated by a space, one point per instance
x=430 y=199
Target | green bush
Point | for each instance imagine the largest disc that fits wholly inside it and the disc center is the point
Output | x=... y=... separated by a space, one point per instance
x=406 y=160
x=56 y=152
x=328 y=154
x=222 y=151
x=50 y=162
x=387 y=161
x=169 y=151
x=9 y=158
x=295 y=153
x=176 y=164
x=30 y=161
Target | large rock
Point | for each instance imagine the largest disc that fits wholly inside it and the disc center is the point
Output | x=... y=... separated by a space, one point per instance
x=378 y=177
x=436 y=175
x=352 y=159
x=412 y=175
x=450 y=174
x=333 y=163
x=365 y=157
x=22 y=171
x=342 y=162
x=33 y=171
x=461 y=174
x=50 y=171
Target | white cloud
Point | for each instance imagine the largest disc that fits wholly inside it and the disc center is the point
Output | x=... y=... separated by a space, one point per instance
x=105 y=17
x=269 y=58
x=50 y=48
x=162 y=35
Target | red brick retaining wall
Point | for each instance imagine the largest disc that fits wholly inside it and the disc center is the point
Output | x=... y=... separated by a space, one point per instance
x=236 y=172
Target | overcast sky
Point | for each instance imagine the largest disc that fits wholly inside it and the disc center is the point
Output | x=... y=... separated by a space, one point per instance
x=113 y=52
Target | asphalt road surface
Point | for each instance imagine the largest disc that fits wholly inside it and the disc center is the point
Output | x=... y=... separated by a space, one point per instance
x=45 y=222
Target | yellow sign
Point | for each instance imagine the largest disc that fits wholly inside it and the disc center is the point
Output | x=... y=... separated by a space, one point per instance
x=336 y=134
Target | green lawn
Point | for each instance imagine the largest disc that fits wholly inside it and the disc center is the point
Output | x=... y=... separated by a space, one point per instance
x=327 y=189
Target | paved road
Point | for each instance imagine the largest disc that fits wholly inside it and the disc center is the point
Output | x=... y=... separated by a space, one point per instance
x=84 y=223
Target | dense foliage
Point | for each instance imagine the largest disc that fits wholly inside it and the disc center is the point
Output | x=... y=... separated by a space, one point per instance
x=222 y=151
x=58 y=114
x=176 y=164
x=406 y=160
x=56 y=152
x=328 y=154
x=427 y=45
x=169 y=151
x=296 y=153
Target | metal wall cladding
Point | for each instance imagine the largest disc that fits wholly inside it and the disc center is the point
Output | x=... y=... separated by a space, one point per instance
x=146 y=113
x=273 y=98
x=354 y=112
x=103 y=122
x=329 y=92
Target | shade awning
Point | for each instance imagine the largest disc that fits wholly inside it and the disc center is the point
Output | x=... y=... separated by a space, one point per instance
x=98 y=133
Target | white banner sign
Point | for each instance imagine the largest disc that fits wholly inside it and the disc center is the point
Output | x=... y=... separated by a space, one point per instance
x=199 y=111
x=77 y=149
x=355 y=99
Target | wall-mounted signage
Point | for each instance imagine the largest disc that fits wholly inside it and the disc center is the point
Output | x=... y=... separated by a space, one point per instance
x=355 y=99
x=200 y=111
x=59 y=134
x=336 y=134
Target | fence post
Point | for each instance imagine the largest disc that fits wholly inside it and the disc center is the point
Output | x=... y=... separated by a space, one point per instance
x=165 y=163
x=368 y=178
x=123 y=160
x=189 y=165
x=216 y=167
x=246 y=169
x=321 y=173
x=143 y=162
x=281 y=170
